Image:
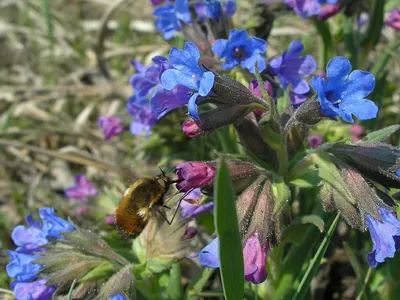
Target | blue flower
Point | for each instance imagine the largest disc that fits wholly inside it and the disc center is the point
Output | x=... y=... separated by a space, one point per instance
x=168 y=17
x=241 y=50
x=385 y=237
x=144 y=116
x=163 y=101
x=189 y=74
x=254 y=255
x=212 y=9
x=118 y=297
x=344 y=94
x=29 y=241
x=291 y=68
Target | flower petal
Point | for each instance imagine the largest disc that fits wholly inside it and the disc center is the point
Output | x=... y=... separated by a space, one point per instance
x=359 y=85
x=209 y=256
x=219 y=47
x=171 y=78
x=192 y=106
x=206 y=83
x=258 y=45
x=186 y=60
x=338 y=68
x=363 y=109
x=295 y=48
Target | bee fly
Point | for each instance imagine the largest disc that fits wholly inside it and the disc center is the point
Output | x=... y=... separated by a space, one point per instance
x=136 y=206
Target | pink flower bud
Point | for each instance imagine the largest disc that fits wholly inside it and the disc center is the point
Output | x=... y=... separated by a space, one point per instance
x=80 y=211
x=315 y=140
x=193 y=175
x=394 y=19
x=191 y=128
x=110 y=220
x=189 y=233
x=256 y=90
x=328 y=11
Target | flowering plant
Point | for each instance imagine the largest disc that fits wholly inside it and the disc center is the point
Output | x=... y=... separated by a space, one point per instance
x=272 y=173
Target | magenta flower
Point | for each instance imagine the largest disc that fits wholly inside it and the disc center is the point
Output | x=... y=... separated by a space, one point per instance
x=81 y=190
x=394 y=19
x=291 y=68
x=385 y=237
x=256 y=90
x=315 y=140
x=328 y=11
x=356 y=132
x=191 y=128
x=255 y=259
x=156 y=2
x=111 y=126
x=110 y=220
x=192 y=175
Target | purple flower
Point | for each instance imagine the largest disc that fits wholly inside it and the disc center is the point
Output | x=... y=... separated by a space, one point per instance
x=163 y=101
x=168 y=17
x=241 y=50
x=29 y=241
x=156 y=2
x=111 y=126
x=191 y=210
x=82 y=188
x=344 y=94
x=307 y=8
x=192 y=175
x=213 y=9
x=110 y=220
x=385 y=237
x=291 y=68
x=256 y=90
x=296 y=100
x=189 y=74
x=394 y=19
x=315 y=140
x=35 y=290
x=146 y=78
x=255 y=260
x=144 y=116
x=254 y=255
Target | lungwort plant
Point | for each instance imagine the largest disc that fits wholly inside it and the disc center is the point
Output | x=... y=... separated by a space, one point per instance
x=276 y=180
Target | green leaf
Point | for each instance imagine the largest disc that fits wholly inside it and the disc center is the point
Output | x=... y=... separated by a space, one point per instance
x=308 y=178
x=174 y=284
x=382 y=134
x=71 y=289
x=315 y=263
x=373 y=34
x=310 y=219
x=281 y=192
x=230 y=244
x=326 y=47
x=106 y=269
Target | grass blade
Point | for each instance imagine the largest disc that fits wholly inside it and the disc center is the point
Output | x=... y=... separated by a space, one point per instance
x=230 y=245
x=315 y=262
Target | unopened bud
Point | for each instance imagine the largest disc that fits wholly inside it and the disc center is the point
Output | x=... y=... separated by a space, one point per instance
x=191 y=128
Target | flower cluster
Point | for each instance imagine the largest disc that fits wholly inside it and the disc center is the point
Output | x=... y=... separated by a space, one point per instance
x=309 y=8
x=82 y=189
x=30 y=240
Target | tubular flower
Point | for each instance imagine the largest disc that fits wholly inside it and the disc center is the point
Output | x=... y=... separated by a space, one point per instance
x=111 y=126
x=291 y=68
x=192 y=210
x=239 y=49
x=213 y=9
x=343 y=94
x=29 y=241
x=191 y=128
x=193 y=175
x=385 y=237
x=254 y=255
x=189 y=74
x=82 y=189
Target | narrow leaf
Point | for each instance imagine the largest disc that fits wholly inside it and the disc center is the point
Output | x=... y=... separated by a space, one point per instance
x=197 y=285
x=382 y=134
x=315 y=262
x=230 y=245
x=174 y=283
